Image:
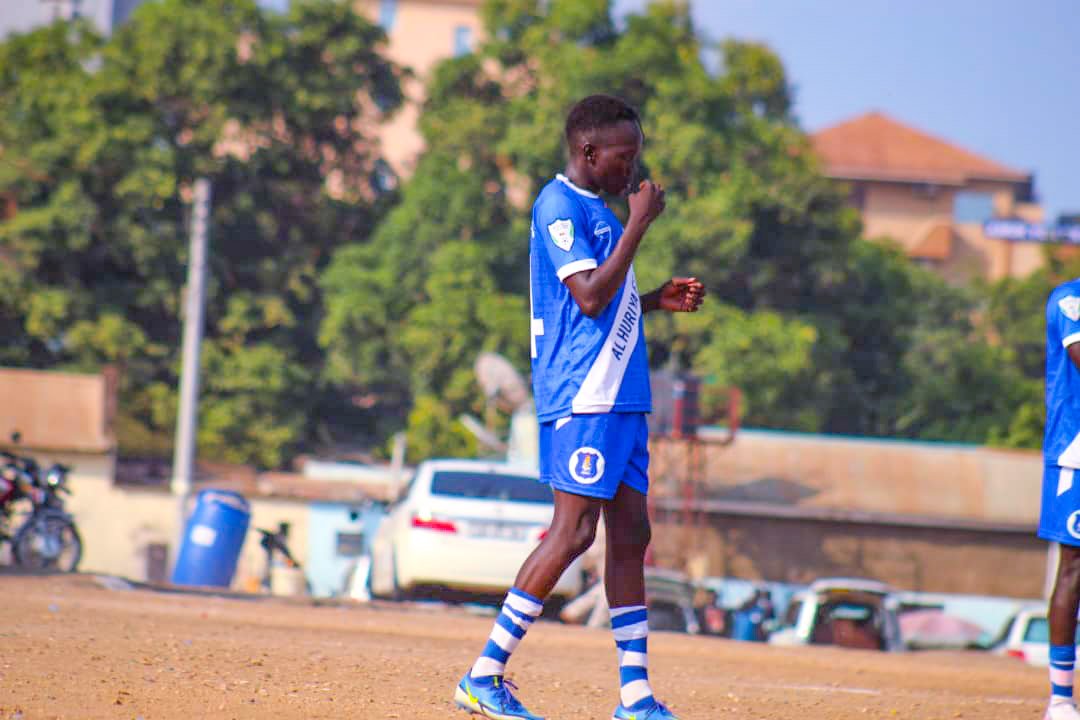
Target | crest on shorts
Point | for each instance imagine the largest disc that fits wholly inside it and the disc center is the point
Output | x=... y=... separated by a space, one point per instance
x=562 y=234
x=1070 y=307
x=1073 y=524
x=586 y=465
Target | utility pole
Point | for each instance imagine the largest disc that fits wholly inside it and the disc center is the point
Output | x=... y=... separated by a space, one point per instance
x=187 y=422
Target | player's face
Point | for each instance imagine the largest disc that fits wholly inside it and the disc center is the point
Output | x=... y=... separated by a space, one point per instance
x=615 y=162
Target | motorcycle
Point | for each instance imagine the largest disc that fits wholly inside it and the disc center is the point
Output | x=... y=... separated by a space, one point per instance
x=47 y=538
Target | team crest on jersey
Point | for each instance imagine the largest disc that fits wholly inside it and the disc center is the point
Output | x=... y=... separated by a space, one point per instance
x=602 y=231
x=1070 y=307
x=562 y=234
x=586 y=465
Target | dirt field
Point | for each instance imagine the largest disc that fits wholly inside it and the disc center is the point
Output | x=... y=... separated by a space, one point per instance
x=70 y=648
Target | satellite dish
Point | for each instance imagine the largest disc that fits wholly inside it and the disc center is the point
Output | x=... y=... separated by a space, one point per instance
x=500 y=381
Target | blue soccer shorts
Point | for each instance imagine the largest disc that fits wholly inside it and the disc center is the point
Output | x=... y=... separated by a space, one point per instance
x=593 y=454
x=1059 y=519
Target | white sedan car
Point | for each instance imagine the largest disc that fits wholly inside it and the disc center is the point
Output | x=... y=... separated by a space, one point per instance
x=465 y=525
x=1027 y=636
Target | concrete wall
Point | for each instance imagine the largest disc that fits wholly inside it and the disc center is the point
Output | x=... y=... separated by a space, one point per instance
x=328 y=567
x=798 y=551
x=911 y=478
x=922 y=516
x=119 y=523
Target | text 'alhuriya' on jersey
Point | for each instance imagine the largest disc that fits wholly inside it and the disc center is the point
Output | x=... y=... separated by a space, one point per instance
x=581 y=364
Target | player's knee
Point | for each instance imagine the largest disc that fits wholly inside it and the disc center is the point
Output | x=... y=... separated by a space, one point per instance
x=572 y=540
x=641 y=536
x=633 y=538
x=581 y=539
x=1069 y=568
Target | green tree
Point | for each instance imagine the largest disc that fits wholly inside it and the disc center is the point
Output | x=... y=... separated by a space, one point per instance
x=102 y=141
x=823 y=330
x=1014 y=315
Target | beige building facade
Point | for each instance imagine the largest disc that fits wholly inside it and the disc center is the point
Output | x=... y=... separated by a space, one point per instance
x=932 y=197
x=421 y=33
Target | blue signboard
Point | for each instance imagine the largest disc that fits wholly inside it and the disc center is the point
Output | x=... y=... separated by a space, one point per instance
x=1021 y=231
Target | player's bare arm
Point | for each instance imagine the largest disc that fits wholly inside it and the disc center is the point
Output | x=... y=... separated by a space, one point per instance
x=594 y=289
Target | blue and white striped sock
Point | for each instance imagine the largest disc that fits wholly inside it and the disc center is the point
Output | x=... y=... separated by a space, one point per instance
x=519 y=610
x=631 y=628
x=1062 y=663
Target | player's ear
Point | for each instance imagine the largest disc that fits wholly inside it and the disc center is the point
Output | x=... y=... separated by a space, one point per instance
x=589 y=151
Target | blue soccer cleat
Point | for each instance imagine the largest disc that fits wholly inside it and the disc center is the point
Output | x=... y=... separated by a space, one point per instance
x=490 y=697
x=650 y=710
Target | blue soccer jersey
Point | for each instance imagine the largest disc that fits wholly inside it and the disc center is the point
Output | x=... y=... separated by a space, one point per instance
x=581 y=364
x=1061 y=443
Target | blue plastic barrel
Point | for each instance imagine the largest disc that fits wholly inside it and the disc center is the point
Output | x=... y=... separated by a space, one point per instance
x=213 y=537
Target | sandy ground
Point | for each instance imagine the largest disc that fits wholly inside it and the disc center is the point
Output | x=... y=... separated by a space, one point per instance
x=70 y=648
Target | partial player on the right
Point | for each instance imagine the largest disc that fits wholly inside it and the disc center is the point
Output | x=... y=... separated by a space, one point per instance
x=1059 y=521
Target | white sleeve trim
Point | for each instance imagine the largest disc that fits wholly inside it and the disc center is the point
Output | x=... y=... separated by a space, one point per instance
x=1069 y=339
x=577 y=266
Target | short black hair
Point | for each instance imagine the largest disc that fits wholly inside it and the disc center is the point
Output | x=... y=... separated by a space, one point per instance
x=598 y=111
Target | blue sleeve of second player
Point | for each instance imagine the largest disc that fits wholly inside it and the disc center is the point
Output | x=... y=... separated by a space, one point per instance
x=564 y=231
x=1066 y=311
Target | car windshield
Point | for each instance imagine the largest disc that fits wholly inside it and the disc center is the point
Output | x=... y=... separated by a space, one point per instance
x=491 y=486
x=1038 y=631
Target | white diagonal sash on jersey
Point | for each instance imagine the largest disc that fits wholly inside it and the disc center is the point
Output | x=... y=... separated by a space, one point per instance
x=1070 y=457
x=1065 y=480
x=601 y=386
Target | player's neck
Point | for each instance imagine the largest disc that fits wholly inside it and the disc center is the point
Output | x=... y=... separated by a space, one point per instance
x=577 y=176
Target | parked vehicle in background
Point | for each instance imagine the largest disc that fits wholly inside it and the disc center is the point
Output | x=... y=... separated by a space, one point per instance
x=465 y=527
x=728 y=594
x=669 y=597
x=848 y=612
x=1027 y=636
x=46 y=537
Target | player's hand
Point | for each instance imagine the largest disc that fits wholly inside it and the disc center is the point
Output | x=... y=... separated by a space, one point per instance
x=647 y=203
x=681 y=294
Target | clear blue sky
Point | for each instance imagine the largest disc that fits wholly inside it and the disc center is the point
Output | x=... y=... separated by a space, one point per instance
x=998 y=77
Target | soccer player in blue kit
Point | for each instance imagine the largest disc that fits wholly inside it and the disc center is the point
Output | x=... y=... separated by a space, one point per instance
x=590 y=378
x=1059 y=520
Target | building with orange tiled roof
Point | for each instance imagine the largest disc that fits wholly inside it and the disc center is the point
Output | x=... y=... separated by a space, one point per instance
x=932 y=197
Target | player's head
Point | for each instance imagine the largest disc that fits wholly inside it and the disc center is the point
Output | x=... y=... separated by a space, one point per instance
x=603 y=133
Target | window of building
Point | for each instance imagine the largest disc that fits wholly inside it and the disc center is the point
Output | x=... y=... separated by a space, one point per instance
x=973 y=207
x=387 y=14
x=462 y=40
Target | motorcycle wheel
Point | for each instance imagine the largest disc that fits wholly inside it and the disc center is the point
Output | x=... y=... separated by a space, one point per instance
x=48 y=543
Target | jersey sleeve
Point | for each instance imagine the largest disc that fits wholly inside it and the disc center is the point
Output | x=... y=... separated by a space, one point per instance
x=563 y=229
x=1067 y=315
